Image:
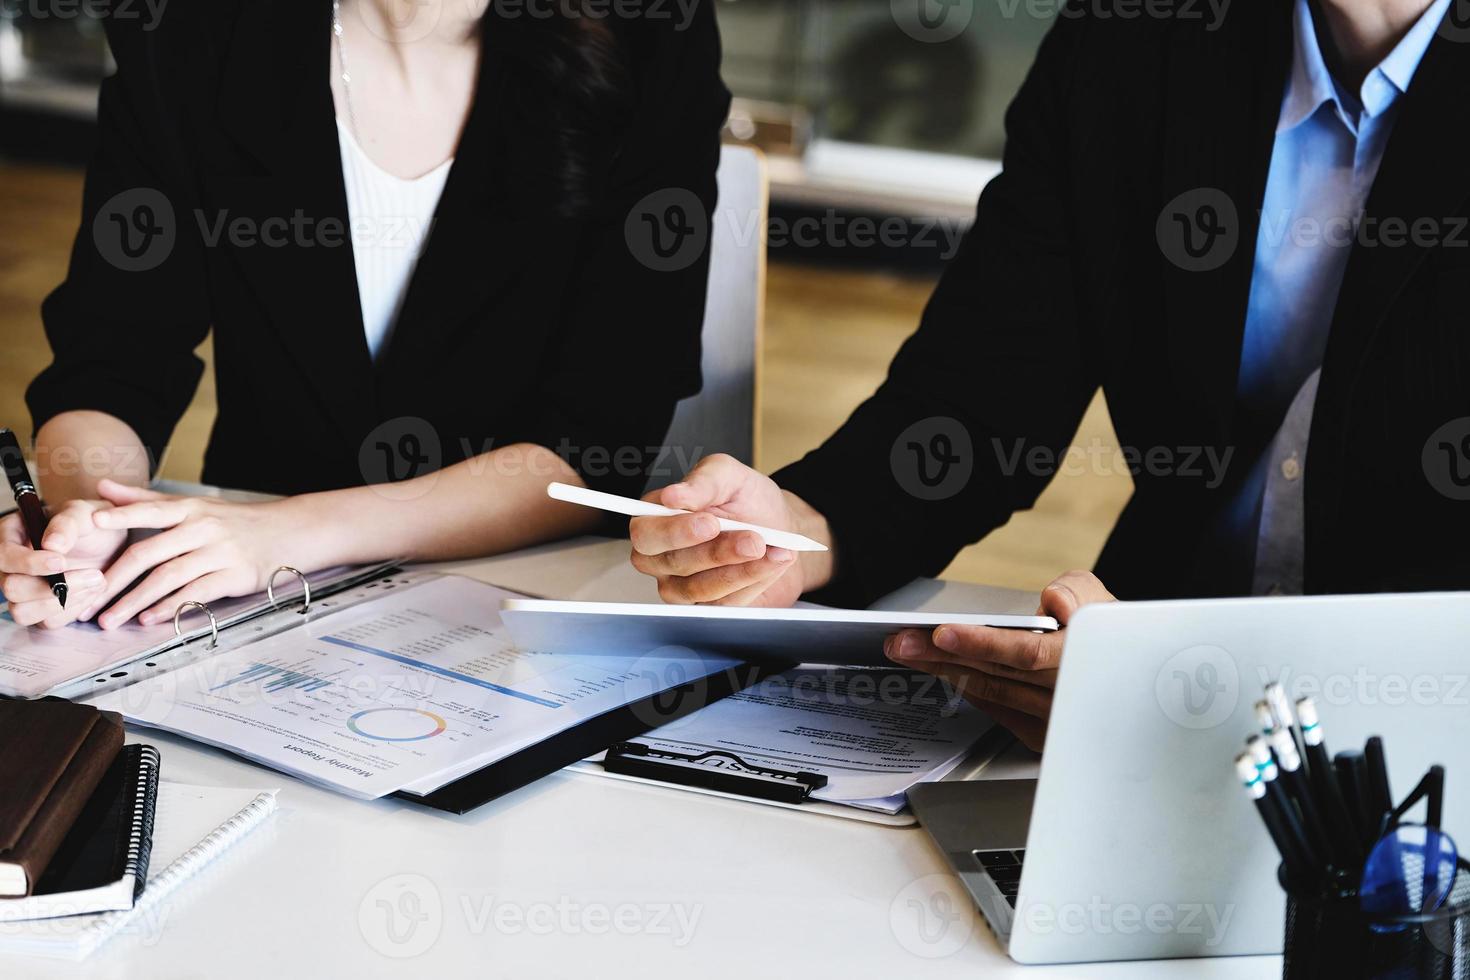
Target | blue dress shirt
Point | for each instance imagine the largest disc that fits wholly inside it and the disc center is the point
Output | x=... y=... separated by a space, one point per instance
x=1329 y=143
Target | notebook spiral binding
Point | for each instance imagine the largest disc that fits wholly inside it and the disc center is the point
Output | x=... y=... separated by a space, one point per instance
x=140 y=837
x=221 y=837
x=187 y=865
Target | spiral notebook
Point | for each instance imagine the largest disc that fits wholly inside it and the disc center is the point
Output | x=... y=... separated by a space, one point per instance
x=193 y=826
x=102 y=862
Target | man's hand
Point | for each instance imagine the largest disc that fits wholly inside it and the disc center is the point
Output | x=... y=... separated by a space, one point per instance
x=695 y=562
x=1011 y=674
x=73 y=544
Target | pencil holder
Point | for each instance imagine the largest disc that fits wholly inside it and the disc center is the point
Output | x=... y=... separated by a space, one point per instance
x=1328 y=937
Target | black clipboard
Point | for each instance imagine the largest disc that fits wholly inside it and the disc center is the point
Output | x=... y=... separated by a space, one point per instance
x=717 y=769
x=590 y=737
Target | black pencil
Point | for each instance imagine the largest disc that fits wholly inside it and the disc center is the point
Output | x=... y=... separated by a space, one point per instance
x=1315 y=863
x=1380 y=797
x=1323 y=777
x=1286 y=846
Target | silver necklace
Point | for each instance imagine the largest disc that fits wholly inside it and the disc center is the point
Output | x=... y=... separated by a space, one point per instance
x=346 y=75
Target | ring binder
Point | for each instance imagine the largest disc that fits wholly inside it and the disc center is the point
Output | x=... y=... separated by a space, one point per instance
x=716 y=770
x=270 y=587
x=213 y=625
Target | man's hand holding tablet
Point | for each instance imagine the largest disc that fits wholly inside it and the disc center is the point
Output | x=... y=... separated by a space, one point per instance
x=1009 y=673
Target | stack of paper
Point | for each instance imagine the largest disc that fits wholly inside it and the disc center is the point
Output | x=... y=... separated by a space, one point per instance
x=193 y=826
x=407 y=692
x=872 y=733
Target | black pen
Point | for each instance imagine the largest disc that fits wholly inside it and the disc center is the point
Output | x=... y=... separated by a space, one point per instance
x=1352 y=777
x=32 y=512
x=1379 y=795
x=1324 y=781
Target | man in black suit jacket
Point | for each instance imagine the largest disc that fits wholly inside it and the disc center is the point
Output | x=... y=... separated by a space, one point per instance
x=1115 y=251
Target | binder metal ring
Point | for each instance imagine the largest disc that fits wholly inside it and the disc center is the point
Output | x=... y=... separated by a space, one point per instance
x=270 y=587
x=213 y=626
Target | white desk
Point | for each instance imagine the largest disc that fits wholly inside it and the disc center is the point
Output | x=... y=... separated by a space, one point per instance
x=575 y=875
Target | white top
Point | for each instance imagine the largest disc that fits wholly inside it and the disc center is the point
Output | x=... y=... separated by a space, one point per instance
x=390 y=218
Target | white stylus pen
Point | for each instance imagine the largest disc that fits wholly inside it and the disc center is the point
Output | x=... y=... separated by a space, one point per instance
x=642 y=508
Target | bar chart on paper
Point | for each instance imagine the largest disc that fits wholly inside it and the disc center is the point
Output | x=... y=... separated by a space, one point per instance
x=274 y=677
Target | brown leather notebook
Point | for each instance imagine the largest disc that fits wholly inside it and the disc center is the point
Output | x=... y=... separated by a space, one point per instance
x=52 y=756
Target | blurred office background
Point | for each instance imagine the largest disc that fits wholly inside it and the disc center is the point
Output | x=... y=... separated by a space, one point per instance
x=863 y=112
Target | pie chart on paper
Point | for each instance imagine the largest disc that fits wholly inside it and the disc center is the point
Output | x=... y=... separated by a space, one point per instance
x=396 y=724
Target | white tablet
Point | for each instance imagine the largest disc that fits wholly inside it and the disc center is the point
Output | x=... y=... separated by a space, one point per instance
x=805 y=635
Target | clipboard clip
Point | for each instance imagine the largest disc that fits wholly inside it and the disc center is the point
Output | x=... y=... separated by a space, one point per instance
x=717 y=770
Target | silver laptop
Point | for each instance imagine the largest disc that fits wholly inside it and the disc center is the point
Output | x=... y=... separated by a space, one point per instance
x=1137 y=841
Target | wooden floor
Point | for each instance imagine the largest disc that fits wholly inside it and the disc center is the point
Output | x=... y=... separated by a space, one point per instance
x=829 y=337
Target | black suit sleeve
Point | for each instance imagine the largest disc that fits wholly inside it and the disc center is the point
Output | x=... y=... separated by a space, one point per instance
x=629 y=345
x=124 y=324
x=995 y=371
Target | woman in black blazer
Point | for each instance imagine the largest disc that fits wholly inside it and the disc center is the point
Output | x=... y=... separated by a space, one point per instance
x=544 y=334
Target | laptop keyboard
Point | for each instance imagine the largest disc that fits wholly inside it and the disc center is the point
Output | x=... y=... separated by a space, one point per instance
x=1003 y=868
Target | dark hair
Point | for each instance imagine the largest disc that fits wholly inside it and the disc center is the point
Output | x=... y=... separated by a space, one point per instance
x=568 y=95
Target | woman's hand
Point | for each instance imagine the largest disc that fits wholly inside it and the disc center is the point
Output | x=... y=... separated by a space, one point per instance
x=73 y=544
x=695 y=562
x=1011 y=674
x=208 y=548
